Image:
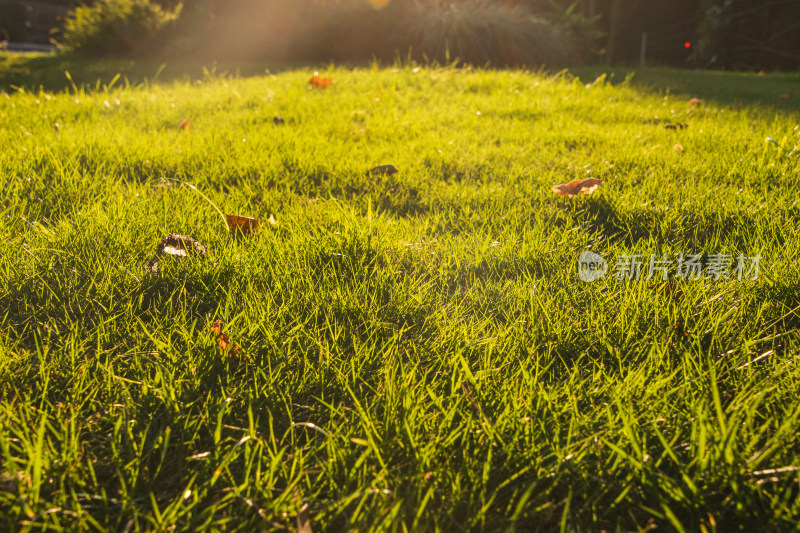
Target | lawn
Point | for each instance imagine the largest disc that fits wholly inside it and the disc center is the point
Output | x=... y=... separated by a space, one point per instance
x=416 y=351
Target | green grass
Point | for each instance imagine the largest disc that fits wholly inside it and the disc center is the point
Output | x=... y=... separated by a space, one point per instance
x=421 y=353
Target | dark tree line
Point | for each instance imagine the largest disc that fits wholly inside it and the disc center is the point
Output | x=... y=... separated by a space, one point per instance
x=730 y=34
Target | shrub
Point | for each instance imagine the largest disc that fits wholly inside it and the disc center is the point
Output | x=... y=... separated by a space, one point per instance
x=117 y=27
x=473 y=31
x=484 y=31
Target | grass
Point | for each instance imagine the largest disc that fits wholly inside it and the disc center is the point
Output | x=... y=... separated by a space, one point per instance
x=421 y=354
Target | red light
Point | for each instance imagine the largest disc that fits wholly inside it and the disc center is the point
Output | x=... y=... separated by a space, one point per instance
x=687 y=45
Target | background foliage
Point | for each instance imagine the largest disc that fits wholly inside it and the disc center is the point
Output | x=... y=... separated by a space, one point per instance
x=118 y=26
x=731 y=34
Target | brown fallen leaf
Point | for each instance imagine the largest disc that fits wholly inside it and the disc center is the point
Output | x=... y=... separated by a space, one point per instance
x=383 y=170
x=153 y=266
x=318 y=82
x=669 y=290
x=175 y=245
x=303 y=520
x=784 y=96
x=224 y=342
x=180 y=246
x=762 y=73
x=695 y=101
x=243 y=225
x=680 y=333
x=185 y=124
x=585 y=186
x=162 y=184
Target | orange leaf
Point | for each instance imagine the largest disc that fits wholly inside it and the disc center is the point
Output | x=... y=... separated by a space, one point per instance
x=585 y=186
x=681 y=332
x=185 y=124
x=224 y=342
x=319 y=82
x=244 y=225
x=695 y=101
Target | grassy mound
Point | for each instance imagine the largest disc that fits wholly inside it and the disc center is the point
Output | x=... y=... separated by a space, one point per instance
x=416 y=350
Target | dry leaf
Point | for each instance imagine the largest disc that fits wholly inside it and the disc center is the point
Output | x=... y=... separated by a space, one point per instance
x=318 y=82
x=695 y=101
x=383 y=170
x=272 y=220
x=669 y=290
x=303 y=520
x=180 y=246
x=243 y=225
x=677 y=148
x=185 y=124
x=585 y=186
x=762 y=73
x=784 y=96
x=224 y=342
x=153 y=266
x=680 y=332
x=162 y=184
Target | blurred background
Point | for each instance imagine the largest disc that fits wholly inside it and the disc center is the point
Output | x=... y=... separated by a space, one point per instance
x=726 y=34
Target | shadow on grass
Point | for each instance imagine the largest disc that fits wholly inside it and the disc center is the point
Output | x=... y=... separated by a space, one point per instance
x=32 y=71
x=771 y=91
x=702 y=229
